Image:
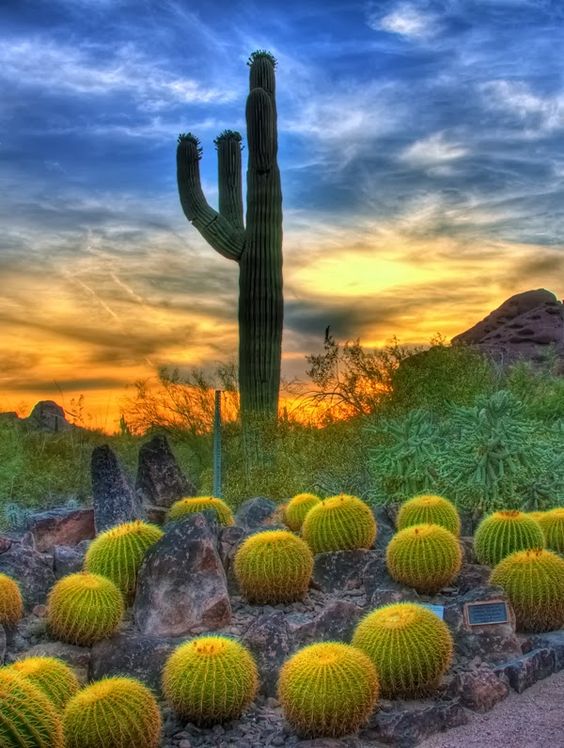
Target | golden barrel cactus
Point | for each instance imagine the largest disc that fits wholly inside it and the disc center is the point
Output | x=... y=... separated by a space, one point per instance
x=339 y=523
x=52 y=676
x=296 y=509
x=552 y=525
x=183 y=507
x=11 y=602
x=505 y=532
x=429 y=509
x=27 y=718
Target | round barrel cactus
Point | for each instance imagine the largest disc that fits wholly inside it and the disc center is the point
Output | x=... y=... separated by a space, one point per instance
x=328 y=690
x=425 y=557
x=113 y=712
x=52 y=676
x=210 y=679
x=27 y=718
x=505 y=532
x=200 y=504
x=84 y=608
x=535 y=515
x=409 y=645
x=118 y=552
x=339 y=523
x=533 y=580
x=552 y=525
x=272 y=567
x=429 y=509
x=297 y=508
x=11 y=602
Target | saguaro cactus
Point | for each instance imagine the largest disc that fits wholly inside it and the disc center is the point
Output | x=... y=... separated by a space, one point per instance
x=256 y=246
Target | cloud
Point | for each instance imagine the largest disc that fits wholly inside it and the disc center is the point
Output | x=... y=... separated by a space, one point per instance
x=432 y=150
x=406 y=20
x=537 y=115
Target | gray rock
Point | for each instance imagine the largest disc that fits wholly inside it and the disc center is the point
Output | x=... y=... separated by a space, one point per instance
x=181 y=586
x=113 y=498
x=32 y=570
x=78 y=658
x=60 y=526
x=553 y=640
x=407 y=723
x=230 y=538
x=69 y=559
x=269 y=640
x=480 y=689
x=472 y=576
x=335 y=623
x=380 y=588
x=341 y=570
x=521 y=672
x=160 y=481
x=255 y=513
x=385 y=527
x=47 y=416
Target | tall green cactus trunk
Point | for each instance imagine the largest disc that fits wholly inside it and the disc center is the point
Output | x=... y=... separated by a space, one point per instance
x=257 y=247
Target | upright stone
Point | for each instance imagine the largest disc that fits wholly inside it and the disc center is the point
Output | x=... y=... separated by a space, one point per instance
x=113 y=498
x=160 y=481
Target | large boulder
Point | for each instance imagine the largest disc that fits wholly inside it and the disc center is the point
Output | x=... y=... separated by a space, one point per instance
x=254 y=513
x=160 y=481
x=61 y=526
x=181 y=587
x=32 y=570
x=113 y=499
x=47 y=416
x=341 y=570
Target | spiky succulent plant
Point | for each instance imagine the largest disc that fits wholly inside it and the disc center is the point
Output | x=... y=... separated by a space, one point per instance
x=534 y=583
x=328 y=690
x=84 y=608
x=409 y=645
x=113 y=712
x=505 y=532
x=51 y=675
x=339 y=523
x=272 y=567
x=297 y=508
x=552 y=526
x=11 y=602
x=183 y=507
x=425 y=557
x=210 y=679
x=27 y=718
x=428 y=508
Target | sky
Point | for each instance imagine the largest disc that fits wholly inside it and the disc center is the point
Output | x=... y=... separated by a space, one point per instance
x=421 y=148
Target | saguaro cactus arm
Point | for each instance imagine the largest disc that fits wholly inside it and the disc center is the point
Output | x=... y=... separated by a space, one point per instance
x=229 y=177
x=216 y=229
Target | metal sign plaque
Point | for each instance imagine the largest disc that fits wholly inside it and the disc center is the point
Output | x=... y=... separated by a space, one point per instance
x=486 y=613
x=438 y=610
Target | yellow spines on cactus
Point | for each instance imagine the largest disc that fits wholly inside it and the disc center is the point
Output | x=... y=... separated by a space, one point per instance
x=535 y=515
x=429 y=509
x=200 y=504
x=52 y=676
x=339 y=523
x=11 y=602
x=552 y=526
x=118 y=553
x=210 y=679
x=409 y=645
x=297 y=508
x=84 y=608
x=505 y=532
x=27 y=718
x=425 y=557
x=533 y=580
x=328 y=690
x=273 y=566
x=113 y=712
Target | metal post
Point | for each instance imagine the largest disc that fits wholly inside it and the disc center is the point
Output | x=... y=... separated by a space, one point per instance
x=217 y=446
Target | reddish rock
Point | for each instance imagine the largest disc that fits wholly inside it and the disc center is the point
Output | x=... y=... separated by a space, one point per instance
x=480 y=690
x=160 y=481
x=61 y=527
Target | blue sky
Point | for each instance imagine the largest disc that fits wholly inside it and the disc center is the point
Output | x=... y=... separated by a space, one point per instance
x=421 y=151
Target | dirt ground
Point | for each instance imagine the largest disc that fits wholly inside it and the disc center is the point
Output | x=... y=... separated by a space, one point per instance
x=533 y=719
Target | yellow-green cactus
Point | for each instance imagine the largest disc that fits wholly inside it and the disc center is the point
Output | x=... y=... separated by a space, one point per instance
x=296 y=509
x=113 y=713
x=272 y=567
x=409 y=645
x=118 y=553
x=328 y=690
x=505 y=532
x=429 y=509
x=84 y=608
x=533 y=580
x=200 y=504
x=210 y=679
x=27 y=718
x=339 y=523
x=425 y=557
x=11 y=602
x=536 y=515
x=52 y=676
x=552 y=525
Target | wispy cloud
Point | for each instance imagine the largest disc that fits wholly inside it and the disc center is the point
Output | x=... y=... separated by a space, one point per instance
x=432 y=150
x=406 y=19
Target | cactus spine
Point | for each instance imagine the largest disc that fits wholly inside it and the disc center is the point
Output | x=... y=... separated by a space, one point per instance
x=273 y=567
x=534 y=583
x=328 y=690
x=425 y=557
x=409 y=645
x=339 y=523
x=183 y=507
x=11 y=602
x=112 y=713
x=257 y=247
x=210 y=679
x=429 y=508
x=52 y=676
x=297 y=508
x=118 y=552
x=84 y=608
x=27 y=718
x=552 y=525
x=505 y=532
